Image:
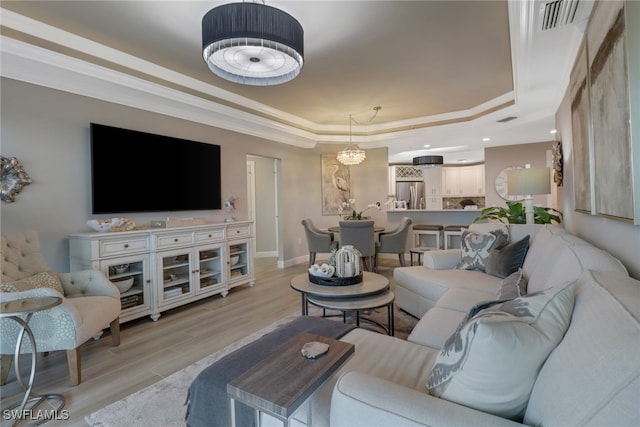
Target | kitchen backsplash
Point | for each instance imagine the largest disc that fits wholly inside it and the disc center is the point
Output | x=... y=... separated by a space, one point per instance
x=461 y=202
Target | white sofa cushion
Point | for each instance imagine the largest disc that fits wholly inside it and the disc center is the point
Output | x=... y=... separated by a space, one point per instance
x=565 y=260
x=491 y=362
x=592 y=378
x=446 y=321
x=389 y=358
x=437 y=282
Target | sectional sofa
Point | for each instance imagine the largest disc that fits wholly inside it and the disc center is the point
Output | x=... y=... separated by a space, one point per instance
x=565 y=353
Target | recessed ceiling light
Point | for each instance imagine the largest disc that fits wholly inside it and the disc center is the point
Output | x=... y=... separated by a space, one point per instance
x=553 y=131
x=427 y=145
x=486 y=139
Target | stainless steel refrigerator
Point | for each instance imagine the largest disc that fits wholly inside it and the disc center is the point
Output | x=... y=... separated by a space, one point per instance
x=411 y=192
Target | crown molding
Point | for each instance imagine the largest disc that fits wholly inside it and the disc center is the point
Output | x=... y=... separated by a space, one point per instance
x=44 y=55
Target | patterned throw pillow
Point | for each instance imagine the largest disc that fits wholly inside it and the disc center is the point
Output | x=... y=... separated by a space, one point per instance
x=46 y=279
x=492 y=360
x=512 y=286
x=506 y=259
x=476 y=248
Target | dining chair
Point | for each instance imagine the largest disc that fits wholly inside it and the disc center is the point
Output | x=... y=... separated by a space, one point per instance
x=317 y=240
x=395 y=241
x=360 y=234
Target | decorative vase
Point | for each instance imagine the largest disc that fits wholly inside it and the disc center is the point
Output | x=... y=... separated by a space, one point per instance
x=348 y=261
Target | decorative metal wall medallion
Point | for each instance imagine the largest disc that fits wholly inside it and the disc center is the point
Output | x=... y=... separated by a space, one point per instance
x=12 y=178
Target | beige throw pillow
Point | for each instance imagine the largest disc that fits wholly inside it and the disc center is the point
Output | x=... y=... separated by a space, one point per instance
x=46 y=279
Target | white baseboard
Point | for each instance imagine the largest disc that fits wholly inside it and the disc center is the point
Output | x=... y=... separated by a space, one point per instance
x=266 y=254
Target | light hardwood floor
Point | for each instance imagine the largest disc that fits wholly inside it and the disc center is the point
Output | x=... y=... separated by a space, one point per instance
x=150 y=351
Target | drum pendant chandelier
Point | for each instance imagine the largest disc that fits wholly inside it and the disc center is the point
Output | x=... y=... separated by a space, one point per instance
x=252 y=44
x=428 y=162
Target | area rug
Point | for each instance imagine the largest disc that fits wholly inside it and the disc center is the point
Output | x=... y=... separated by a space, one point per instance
x=162 y=403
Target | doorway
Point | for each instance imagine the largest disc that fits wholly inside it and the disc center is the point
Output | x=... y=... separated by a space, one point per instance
x=263 y=178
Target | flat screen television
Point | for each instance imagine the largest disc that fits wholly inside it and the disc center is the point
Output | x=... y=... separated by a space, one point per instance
x=134 y=171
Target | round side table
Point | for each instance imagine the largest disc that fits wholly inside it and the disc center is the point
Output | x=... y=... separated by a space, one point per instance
x=15 y=310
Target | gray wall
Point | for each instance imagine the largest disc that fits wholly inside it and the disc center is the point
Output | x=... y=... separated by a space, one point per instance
x=48 y=131
x=498 y=158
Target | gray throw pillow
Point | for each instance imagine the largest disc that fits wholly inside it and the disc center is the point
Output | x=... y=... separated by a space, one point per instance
x=512 y=286
x=476 y=248
x=507 y=259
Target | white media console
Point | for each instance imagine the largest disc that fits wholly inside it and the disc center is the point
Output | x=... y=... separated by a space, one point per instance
x=168 y=267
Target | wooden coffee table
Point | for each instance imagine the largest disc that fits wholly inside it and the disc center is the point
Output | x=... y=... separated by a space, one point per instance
x=285 y=380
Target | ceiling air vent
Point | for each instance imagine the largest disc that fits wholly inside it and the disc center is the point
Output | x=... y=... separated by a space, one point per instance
x=558 y=13
x=506 y=119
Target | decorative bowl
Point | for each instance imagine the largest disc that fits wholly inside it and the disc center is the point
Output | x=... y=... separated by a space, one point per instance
x=324 y=270
x=235 y=259
x=119 y=269
x=123 y=285
x=104 y=225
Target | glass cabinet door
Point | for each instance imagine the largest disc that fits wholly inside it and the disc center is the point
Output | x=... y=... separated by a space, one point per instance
x=240 y=262
x=210 y=269
x=131 y=276
x=176 y=273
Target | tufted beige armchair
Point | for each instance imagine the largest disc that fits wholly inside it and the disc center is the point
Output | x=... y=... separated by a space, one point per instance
x=90 y=304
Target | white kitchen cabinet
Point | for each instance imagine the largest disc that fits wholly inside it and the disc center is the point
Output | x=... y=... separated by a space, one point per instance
x=472 y=180
x=433 y=203
x=463 y=181
x=451 y=182
x=432 y=182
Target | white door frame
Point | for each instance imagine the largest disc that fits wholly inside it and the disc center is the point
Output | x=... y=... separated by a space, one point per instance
x=251 y=200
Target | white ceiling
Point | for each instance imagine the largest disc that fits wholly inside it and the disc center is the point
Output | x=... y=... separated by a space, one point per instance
x=443 y=72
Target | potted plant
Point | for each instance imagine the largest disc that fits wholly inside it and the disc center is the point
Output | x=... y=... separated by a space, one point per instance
x=356 y=215
x=514 y=213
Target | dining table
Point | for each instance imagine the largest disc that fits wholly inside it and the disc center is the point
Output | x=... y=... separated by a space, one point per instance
x=336 y=229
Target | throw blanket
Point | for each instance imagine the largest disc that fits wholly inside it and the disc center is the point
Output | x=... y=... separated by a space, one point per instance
x=207 y=404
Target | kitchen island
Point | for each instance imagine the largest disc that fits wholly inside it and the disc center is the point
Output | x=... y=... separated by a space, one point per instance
x=435 y=217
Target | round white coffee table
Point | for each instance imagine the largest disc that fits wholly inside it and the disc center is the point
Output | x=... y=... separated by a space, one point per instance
x=359 y=304
x=372 y=292
x=371 y=284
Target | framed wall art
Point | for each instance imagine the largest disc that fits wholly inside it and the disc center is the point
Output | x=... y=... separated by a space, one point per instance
x=604 y=153
x=609 y=95
x=580 y=131
x=336 y=184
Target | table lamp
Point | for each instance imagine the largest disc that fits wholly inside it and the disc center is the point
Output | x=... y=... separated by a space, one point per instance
x=527 y=182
